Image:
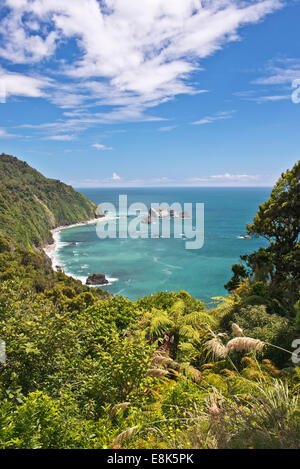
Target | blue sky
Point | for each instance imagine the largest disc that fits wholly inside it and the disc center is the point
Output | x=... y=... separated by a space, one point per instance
x=154 y=92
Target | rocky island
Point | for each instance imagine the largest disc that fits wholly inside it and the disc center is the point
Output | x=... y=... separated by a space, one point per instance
x=163 y=213
x=97 y=279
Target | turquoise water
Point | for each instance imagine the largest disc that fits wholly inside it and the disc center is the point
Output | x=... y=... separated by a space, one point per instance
x=138 y=267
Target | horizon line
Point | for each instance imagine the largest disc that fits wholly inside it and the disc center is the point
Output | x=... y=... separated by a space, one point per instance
x=172 y=187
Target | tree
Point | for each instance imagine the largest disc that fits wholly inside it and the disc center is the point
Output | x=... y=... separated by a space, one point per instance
x=239 y=274
x=278 y=221
x=175 y=327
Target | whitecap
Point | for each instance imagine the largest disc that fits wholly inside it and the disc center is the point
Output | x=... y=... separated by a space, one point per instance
x=82 y=278
x=172 y=266
x=167 y=272
x=62 y=244
x=112 y=280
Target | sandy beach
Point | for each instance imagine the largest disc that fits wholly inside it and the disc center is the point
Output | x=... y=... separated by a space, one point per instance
x=51 y=249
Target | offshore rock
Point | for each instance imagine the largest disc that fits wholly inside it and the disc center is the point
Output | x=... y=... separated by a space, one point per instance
x=97 y=279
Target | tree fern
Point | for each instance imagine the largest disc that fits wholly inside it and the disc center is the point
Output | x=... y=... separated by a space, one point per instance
x=160 y=323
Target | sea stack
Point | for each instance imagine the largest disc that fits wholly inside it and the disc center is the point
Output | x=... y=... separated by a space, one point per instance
x=97 y=279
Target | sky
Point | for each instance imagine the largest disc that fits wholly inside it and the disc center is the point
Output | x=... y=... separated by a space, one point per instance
x=114 y=93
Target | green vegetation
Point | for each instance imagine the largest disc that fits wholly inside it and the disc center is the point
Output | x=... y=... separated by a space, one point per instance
x=86 y=370
x=31 y=205
x=274 y=271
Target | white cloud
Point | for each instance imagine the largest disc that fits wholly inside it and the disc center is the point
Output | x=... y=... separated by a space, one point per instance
x=216 y=117
x=219 y=180
x=17 y=84
x=280 y=72
x=227 y=177
x=116 y=177
x=25 y=44
x=132 y=55
x=5 y=134
x=278 y=76
x=161 y=180
x=234 y=177
x=61 y=138
x=167 y=128
x=272 y=98
x=252 y=95
x=100 y=146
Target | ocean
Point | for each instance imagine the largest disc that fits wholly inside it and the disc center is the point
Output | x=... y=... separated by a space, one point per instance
x=139 y=267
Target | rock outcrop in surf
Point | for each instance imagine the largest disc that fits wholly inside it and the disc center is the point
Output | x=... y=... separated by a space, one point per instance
x=97 y=279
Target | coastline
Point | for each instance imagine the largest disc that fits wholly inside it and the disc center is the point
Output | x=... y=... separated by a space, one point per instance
x=51 y=249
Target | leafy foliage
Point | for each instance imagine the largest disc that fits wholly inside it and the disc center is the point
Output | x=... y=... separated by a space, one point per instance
x=274 y=271
x=86 y=370
x=30 y=204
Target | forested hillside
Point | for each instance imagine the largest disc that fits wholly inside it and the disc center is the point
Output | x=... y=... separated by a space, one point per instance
x=31 y=204
x=86 y=370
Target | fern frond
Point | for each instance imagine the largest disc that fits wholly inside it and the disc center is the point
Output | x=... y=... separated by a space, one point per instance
x=159 y=323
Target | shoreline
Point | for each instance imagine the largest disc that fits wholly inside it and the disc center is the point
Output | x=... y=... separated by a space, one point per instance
x=51 y=249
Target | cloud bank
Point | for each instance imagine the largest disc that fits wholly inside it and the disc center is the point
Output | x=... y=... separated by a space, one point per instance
x=127 y=56
x=100 y=146
x=216 y=117
x=219 y=180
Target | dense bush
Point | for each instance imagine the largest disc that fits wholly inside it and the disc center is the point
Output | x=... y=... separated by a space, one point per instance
x=30 y=204
x=86 y=370
x=270 y=328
